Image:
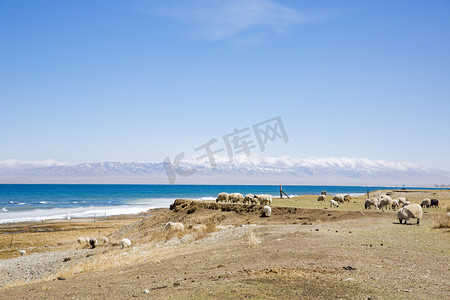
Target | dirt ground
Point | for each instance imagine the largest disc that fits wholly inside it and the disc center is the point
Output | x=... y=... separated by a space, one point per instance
x=298 y=253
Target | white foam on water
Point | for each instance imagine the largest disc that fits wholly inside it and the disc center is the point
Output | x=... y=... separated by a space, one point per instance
x=43 y=202
x=206 y=198
x=4 y=209
x=75 y=212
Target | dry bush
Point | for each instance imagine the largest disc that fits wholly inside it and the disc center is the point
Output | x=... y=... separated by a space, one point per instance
x=441 y=221
x=253 y=239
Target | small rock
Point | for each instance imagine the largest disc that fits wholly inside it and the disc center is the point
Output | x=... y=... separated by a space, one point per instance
x=317 y=229
x=175 y=284
x=349 y=268
x=146 y=291
x=348 y=279
x=61 y=278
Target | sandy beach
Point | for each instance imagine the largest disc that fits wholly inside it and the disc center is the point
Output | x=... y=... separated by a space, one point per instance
x=305 y=250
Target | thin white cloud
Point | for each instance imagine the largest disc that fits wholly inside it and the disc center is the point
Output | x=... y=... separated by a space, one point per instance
x=216 y=20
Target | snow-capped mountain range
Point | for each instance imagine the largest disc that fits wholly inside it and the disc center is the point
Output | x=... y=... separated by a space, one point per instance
x=241 y=170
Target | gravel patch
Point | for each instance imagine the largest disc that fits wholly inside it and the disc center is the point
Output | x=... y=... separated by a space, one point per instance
x=37 y=265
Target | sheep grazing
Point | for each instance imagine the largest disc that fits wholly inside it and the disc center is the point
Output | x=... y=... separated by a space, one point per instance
x=236 y=198
x=267 y=211
x=322 y=198
x=412 y=211
x=426 y=203
x=93 y=242
x=394 y=204
x=401 y=200
x=82 y=241
x=339 y=198
x=248 y=198
x=125 y=243
x=434 y=203
x=264 y=199
x=334 y=203
x=174 y=226
x=347 y=198
x=385 y=201
x=199 y=227
x=222 y=197
x=371 y=202
x=22 y=252
x=104 y=240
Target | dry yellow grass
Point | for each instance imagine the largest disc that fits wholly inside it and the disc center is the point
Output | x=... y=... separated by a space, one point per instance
x=441 y=221
x=253 y=239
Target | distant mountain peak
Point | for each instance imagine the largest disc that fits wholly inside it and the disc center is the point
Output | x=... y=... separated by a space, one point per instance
x=254 y=169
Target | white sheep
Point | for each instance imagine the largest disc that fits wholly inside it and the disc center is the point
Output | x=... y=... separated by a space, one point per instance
x=394 y=204
x=82 y=240
x=125 y=243
x=22 y=252
x=401 y=200
x=267 y=211
x=174 y=226
x=426 y=203
x=371 y=202
x=408 y=212
x=406 y=203
x=236 y=198
x=264 y=199
x=385 y=201
x=248 y=198
x=322 y=198
x=222 y=197
x=339 y=198
x=199 y=227
x=334 y=203
x=104 y=240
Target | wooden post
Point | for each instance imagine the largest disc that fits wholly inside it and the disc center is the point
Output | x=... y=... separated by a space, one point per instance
x=368 y=194
x=12 y=238
x=281 y=191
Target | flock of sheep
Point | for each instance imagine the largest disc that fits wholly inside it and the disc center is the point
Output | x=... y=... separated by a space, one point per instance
x=406 y=212
x=263 y=199
x=93 y=242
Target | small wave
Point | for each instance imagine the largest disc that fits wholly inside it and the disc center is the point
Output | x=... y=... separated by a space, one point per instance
x=74 y=201
x=21 y=203
x=11 y=202
x=43 y=202
x=4 y=209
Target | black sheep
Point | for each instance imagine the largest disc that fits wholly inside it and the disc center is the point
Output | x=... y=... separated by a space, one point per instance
x=434 y=203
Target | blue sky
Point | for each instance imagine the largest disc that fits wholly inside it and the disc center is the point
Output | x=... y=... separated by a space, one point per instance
x=86 y=81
